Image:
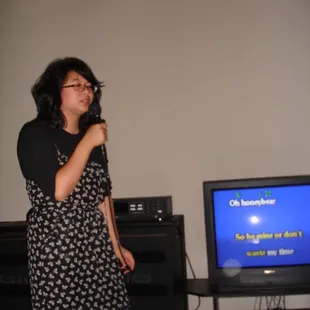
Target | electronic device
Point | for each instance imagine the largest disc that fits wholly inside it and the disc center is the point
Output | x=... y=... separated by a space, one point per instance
x=159 y=280
x=14 y=284
x=257 y=233
x=157 y=208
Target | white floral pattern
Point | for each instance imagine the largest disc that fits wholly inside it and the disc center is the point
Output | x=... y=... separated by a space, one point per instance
x=72 y=264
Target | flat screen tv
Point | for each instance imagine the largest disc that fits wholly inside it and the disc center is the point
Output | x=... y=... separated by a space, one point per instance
x=258 y=233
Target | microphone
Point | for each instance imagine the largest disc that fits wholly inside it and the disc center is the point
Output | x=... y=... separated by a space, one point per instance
x=96 y=119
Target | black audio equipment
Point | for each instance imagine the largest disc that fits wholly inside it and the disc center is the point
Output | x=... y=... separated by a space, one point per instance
x=158 y=281
x=14 y=286
x=158 y=208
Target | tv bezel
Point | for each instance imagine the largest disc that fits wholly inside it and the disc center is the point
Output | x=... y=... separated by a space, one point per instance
x=265 y=276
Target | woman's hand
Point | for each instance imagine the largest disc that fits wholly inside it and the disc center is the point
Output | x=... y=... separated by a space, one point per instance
x=126 y=259
x=96 y=135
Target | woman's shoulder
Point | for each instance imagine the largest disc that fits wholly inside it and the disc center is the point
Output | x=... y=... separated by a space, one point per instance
x=35 y=128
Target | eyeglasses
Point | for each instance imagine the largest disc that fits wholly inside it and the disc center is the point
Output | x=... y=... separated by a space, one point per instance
x=81 y=88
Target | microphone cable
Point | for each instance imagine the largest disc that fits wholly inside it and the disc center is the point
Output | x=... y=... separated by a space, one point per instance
x=103 y=148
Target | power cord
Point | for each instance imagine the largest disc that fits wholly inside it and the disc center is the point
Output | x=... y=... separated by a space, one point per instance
x=194 y=275
x=272 y=302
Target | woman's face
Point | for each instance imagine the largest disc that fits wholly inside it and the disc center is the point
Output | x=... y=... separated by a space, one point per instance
x=76 y=95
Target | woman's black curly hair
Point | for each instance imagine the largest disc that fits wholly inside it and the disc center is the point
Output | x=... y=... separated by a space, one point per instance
x=47 y=89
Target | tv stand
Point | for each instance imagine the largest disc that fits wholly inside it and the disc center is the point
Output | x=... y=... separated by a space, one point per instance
x=200 y=287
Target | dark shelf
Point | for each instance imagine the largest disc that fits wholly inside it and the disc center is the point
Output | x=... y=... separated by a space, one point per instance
x=201 y=287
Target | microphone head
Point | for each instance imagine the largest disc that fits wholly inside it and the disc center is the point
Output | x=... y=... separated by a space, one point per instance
x=96 y=119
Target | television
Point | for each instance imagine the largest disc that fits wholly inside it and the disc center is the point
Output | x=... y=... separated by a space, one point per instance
x=258 y=233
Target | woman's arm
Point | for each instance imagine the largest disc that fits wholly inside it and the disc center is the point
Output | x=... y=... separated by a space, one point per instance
x=106 y=208
x=38 y=161
x=125 y=257
x=68 y=175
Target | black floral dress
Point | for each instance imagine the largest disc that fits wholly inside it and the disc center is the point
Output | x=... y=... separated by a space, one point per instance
x=72 y=264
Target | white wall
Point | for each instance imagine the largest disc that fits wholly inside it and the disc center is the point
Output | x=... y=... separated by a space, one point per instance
x=196 y=90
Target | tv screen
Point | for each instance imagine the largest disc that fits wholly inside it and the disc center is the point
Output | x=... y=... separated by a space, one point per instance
x=257 y=231
x=263 y=226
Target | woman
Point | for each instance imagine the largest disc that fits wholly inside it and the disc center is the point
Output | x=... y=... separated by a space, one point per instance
x=75 y=259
